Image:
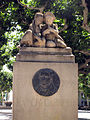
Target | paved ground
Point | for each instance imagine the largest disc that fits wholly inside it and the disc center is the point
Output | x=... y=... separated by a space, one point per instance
x=83 y=115
x=6 y=114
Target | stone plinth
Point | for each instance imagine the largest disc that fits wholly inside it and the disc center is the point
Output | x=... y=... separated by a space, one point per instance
x=28 y=104
x=31 y=54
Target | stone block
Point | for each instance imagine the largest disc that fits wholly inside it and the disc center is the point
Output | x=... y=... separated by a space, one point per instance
x=28 y=104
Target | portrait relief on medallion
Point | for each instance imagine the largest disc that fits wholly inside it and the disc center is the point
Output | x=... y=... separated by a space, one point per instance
x=46 y=82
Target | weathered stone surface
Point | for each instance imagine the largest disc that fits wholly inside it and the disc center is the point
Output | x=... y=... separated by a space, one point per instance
x=51 y=44
x=46 y=58
x=40 y=35
x=46 y=55
x=45 y=84
x=49 y=18
x=40 y=42
x=27 y=39
x=29 y=105
x=50 y=31
x=62 y=51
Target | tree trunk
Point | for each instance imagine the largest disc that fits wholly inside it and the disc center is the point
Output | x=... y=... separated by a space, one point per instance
x=1 y=98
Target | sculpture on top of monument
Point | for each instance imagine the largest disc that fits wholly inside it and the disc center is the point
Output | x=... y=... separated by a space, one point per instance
x=42 y=32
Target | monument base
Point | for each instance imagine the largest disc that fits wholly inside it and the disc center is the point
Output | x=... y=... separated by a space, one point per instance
x=29 y=104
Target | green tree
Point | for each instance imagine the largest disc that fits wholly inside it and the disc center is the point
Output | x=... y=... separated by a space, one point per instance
x=72 y=17
x=5 y=83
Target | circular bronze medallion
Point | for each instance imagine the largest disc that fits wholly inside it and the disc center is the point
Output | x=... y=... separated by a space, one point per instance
x=46 y=82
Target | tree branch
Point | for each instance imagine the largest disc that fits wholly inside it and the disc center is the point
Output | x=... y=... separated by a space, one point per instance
x=81 y=72
x=24 y=22
x=22 y=19
x=40 y=9
x=85 y=15
x=84 y=52
x=84 y=65
x=65 y=26
x=1 y=6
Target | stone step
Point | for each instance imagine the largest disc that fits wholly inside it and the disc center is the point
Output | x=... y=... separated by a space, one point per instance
x=46 y=51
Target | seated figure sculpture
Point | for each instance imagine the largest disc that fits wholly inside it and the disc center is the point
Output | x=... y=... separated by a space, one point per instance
x=32 y=37
x=38 y=40
x=50 y=32
x=43 y=33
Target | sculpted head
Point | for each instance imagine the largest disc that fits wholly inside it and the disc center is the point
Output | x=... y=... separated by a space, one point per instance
x=45 y=80
x=49 y=18
x=38 y=18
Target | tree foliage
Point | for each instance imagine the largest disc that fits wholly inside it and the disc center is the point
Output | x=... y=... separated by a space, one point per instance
x=5 y=81
x=84 y=84
x=15 y=20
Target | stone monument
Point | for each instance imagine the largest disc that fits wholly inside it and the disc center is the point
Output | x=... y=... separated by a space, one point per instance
x=45 y=81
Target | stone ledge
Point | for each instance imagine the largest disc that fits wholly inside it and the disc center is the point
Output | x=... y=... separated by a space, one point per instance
x=45 y=58
x=46 y=51
x=37 y=54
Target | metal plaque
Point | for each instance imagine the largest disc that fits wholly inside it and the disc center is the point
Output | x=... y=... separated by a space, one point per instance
x=46 y=82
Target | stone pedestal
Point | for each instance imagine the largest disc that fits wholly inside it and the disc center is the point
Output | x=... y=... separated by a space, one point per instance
x=33 y=98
